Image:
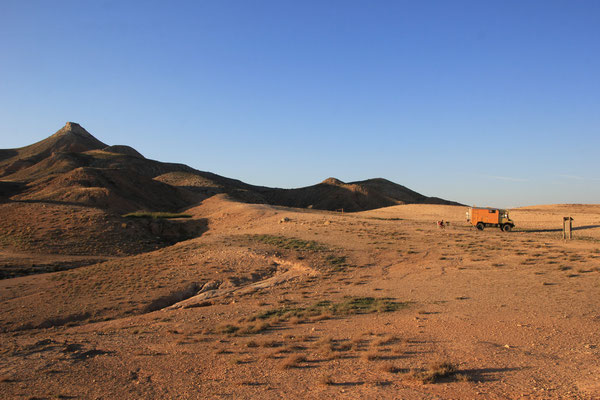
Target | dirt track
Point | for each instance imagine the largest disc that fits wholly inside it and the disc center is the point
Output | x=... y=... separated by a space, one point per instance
x=516 y=313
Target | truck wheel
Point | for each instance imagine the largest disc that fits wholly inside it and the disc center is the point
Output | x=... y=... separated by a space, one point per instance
x=479 y=226
x=506 y=227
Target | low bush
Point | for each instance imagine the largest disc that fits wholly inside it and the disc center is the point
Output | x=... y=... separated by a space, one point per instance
x=155 y=215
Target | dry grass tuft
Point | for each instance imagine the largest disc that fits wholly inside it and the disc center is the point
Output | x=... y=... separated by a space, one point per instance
x=462 y=377
x=271 y=355
x=295 y=347
x=326 y=380
x=250 y=329
x=243 y=329
x=293 y=361
x=342 y=346
x=321 y=317
x=297 y=320
x=372 y=355
x=358 y=342
x=387 y=340
x=436 y=372
x=325 y=341
x=391 y=368
x=271 y=343
x=227 y=329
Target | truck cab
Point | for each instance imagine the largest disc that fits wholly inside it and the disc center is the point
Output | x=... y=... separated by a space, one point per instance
x=482 y=217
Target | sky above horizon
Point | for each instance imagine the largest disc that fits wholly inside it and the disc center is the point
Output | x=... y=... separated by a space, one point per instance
x=488 y=103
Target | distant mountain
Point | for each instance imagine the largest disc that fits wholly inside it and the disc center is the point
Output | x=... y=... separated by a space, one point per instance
x=333 y=194
x=73 y=167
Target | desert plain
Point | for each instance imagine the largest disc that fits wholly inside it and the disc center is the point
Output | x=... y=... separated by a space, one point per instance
x=268 y=301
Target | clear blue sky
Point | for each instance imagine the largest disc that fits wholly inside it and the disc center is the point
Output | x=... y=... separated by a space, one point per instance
x=483 y=102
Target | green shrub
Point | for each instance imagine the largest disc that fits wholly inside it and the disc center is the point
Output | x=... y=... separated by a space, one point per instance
x=155 y=215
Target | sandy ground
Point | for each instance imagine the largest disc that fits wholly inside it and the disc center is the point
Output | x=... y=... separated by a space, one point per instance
x=261 y=306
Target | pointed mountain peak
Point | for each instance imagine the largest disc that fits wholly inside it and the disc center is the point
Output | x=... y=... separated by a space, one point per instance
x=72 y=137
x=75 y=129
x=71 y=126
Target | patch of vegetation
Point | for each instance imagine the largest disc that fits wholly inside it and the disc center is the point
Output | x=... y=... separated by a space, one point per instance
x=337 y=263
x=15 y=239
x=155 y=215
x=352 y=305
x=438 y=372
x=243 y=329
x=289 y=243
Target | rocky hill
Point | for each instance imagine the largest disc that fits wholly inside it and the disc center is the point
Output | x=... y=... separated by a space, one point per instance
x=73 y=167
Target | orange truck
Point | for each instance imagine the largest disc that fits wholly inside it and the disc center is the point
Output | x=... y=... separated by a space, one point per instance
x=481 y=217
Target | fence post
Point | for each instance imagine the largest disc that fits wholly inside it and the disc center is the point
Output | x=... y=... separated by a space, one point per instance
x=567 y=228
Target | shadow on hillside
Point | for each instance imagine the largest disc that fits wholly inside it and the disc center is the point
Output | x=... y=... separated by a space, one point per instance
x=326 y=197
x=13 y=269
x=8 y=153
x=174 y=231
x=8 y=189
x=575 y=228
x=173 y=297
x=204 y=190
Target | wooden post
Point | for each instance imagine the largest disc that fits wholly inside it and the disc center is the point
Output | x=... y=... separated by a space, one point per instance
x=567 y=228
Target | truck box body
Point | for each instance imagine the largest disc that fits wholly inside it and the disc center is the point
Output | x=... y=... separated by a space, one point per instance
x=485 y=215
x=482 y=217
